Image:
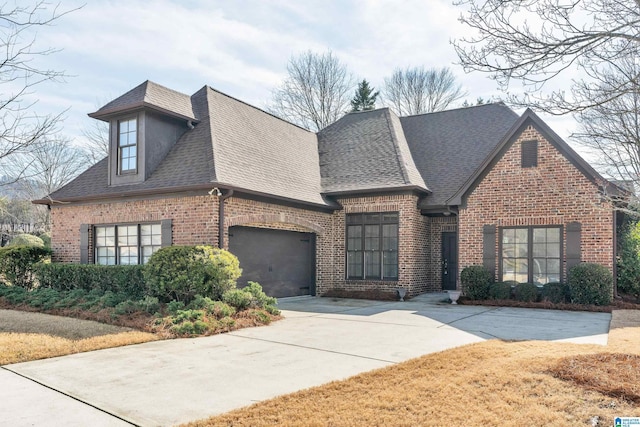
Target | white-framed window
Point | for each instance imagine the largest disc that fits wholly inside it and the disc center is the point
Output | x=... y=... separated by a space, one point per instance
x=126 y=244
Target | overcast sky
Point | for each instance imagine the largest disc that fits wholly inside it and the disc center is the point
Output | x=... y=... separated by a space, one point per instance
x=240 y=47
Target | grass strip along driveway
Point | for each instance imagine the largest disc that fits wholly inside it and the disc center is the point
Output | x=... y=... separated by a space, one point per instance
x=533 y=383
x=26 y=336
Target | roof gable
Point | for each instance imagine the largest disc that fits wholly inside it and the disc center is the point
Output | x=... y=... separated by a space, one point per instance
x=529 y=118
x=448 y=146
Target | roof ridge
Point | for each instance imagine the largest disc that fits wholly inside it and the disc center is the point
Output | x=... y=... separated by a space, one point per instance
x=394 y=140
x=490 y=104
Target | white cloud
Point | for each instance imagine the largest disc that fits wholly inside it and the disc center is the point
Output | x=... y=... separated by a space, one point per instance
x=240 y=47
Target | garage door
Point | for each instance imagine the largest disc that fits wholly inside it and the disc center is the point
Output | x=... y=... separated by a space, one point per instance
x=283 y=262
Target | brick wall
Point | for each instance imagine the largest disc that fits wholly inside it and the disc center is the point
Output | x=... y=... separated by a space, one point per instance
x=195 y=221
x=553 y=193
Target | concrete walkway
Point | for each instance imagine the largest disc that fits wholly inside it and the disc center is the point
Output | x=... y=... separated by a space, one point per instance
x=320 y=340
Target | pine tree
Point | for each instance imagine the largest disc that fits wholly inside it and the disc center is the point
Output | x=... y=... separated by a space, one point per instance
x=364 y=98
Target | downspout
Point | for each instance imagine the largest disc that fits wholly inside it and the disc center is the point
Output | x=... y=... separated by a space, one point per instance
x=221 y=200
x=615 y=253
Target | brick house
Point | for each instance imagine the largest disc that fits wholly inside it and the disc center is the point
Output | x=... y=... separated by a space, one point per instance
x=373 y=201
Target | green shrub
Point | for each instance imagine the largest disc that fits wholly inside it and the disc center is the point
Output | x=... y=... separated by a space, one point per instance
x=238 y=298
x=25 y=239
x=500 y=290
x=259 y=316
x=218 y=309
x=111 y=299
x=260 y=299
x=46 y=239
x=17 y=264
x=526 y=292
x=127 y=307
x=476 y=280
x=590 y=284
x=149 y=304
x=14 y=294
x=174 y=306
x=555 y=292
x=182 y=272
x=43 y=298
x=121 y=279
x=187 y=315
x=628 y=261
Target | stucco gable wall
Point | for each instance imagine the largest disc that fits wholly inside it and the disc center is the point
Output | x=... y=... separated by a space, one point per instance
x=553 y=193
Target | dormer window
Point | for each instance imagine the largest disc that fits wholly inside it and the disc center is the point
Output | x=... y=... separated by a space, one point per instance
x=127 y=146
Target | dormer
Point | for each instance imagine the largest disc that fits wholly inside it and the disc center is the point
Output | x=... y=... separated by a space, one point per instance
x=144 y=124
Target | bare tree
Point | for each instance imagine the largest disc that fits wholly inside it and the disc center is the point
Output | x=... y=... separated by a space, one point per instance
x=534 y=42
x=612 y=129
x=97 y=141
x=49 y=164
x=418 y=90
x=316 y=92
x=20 y=126
x=594 y=43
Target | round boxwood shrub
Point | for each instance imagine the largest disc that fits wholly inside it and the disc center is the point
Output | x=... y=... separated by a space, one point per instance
x=476 y=280
x=590 y=284
x=25 y=239
x=500 y=290
x=555 y=292
x=182 y=272
x=526 y=292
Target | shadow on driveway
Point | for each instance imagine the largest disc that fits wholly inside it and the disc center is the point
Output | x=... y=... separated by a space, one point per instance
x=506 y=323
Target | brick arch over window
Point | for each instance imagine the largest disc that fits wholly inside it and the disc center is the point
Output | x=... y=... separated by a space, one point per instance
x=281 y=218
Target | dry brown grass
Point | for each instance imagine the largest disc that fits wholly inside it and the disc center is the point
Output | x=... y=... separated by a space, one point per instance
x=22 y=347
x=485 y=384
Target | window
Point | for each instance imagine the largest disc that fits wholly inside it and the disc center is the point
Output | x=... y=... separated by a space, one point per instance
x=134 y=244
x=127 y=145
x=531 y=254
x=372 y=246
x=529 y=154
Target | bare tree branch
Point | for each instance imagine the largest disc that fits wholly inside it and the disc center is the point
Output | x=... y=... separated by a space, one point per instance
x=316 y=92
x=416 y=90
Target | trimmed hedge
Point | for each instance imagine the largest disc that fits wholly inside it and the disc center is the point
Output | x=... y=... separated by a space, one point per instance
x=476 y=280
x=17 y=264
x=526 y=292
x=119 y=279
x=182 y=272
x=500 y=291
x=555 y=292
x=590 y=284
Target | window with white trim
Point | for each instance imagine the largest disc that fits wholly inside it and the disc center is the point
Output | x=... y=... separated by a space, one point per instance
x=126 y=244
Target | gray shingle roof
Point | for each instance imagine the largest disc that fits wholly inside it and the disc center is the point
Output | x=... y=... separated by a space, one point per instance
x=366 y=151
x=240 y=146
x=233 y=144
x=449 y=146
x=152 y=95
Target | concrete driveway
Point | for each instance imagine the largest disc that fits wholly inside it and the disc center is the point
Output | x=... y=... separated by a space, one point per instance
x=320 y=340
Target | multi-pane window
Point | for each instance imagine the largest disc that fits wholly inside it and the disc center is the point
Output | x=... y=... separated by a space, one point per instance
x=531 y=254
x=126 y=244
x=127 y=145
x=372 y=246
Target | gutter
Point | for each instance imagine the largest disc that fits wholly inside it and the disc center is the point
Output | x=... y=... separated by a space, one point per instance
x=221 y=200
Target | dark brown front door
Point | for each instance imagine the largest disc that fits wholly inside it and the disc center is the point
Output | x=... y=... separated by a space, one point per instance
x=449 y=260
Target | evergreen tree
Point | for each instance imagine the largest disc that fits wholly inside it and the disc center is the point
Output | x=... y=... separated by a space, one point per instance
x=364 y=98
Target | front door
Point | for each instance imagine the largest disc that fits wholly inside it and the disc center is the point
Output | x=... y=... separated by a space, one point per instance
x=449 y=260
